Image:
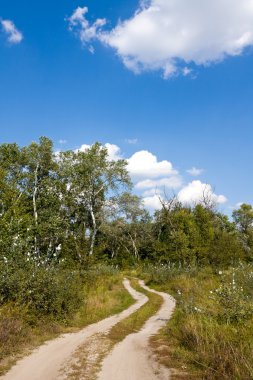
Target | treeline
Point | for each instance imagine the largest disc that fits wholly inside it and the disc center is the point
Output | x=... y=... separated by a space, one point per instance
x=65 y=216
x=77 y=206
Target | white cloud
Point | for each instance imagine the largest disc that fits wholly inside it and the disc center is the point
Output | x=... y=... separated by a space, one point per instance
x=62 y=142
x=14 y=36
x=85 y=31
x=171 y=35
x=83 y=148
x=113 y=152
x=152 y=177
x=195 y=172
x=112 y=149
x=144 y=164
x=173 y=182
x=195 y=191
x=152 y=202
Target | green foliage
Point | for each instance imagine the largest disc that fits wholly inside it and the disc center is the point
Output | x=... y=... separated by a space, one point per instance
x=50 y=291
x=243 y=217
x=196 y=235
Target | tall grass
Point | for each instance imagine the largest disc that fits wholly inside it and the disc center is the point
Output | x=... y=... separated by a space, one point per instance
x=210 y=334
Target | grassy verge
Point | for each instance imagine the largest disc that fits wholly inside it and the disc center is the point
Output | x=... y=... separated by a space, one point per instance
x=104 y=298
x=210 y=334
x=21 y=330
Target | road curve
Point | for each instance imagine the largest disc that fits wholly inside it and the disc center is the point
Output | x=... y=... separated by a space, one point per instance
x=45 y=362
x=132 y=359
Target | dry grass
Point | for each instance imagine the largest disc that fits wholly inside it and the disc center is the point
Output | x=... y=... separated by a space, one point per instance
x=197 y=341
x=86 y=361
x=106 y=297
x=20 y=332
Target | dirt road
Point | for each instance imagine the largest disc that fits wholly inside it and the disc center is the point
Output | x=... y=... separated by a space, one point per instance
x=131 y=359
x=46 y=361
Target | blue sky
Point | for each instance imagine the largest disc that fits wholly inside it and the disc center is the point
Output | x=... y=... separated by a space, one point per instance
x=51 y=84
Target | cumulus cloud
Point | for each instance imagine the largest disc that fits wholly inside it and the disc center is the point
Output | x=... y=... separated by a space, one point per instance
x=14 y=36
x=152 y=178
x=196 y=191
x=152 y=202
x=83 y=148
x=173 y=182
x=144 y=164
x=113 y=150
x=195 y=172
x=171 y=35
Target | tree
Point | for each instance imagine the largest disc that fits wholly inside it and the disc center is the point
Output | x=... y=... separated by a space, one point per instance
x=90 y=180
x=126 y=226
x=243 y=218
x=40 y=187
x=14 y=217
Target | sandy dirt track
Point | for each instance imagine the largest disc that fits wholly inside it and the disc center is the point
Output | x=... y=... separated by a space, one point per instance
x=46 y=361
x=131 y=359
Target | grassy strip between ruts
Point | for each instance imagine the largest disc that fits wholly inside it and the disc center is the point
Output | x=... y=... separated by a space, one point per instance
x=135 y=321
x=20 y=332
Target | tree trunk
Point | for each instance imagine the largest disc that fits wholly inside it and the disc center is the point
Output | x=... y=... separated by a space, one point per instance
x=35 y=191
x=134 y=246
x=94 y=232
x=35 y=212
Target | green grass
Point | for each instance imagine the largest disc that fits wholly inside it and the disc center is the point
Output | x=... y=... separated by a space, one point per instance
x=136 y=321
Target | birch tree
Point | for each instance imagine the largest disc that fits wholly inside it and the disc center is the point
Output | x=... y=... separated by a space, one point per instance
x=91 y=178
x=40 y=187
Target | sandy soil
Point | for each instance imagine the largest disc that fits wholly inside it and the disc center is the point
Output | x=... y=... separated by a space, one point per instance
x=132 y=359
x=46 y=361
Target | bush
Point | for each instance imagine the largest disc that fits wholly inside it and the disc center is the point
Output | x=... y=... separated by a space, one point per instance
x=44 y=290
